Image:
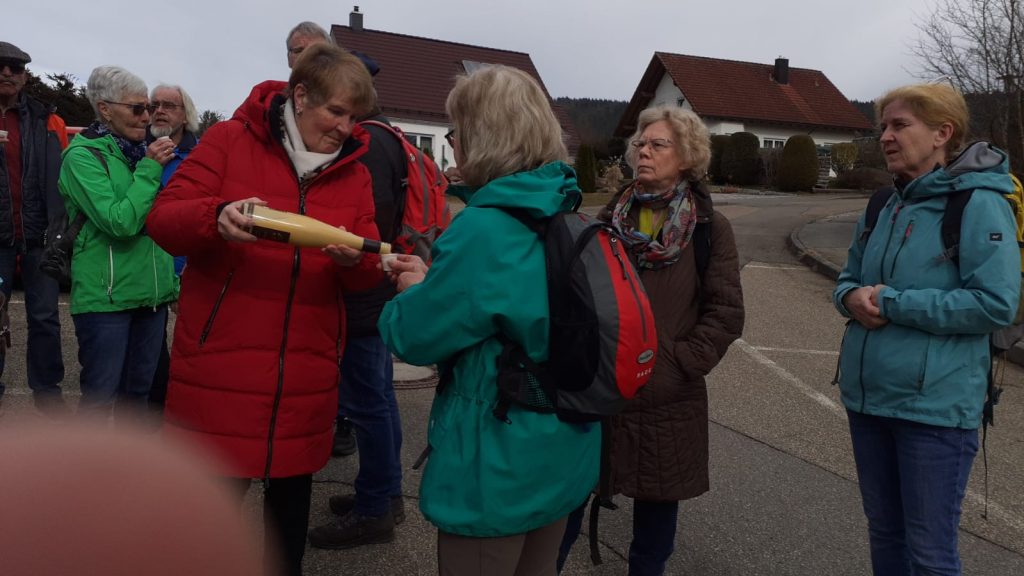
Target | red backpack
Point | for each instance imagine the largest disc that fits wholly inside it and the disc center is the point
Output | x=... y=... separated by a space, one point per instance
x=425 y=214
x=603 y=342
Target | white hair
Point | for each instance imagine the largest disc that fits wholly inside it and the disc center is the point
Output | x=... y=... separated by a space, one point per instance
x=112 y=84
x=191 y=116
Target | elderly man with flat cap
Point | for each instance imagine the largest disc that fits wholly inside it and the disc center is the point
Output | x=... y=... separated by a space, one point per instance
x=31 y=140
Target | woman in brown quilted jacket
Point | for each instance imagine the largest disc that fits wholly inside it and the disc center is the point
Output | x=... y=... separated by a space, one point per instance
x=689 y=266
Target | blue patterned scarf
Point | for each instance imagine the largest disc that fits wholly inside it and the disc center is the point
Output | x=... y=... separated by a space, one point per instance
x=133 y=151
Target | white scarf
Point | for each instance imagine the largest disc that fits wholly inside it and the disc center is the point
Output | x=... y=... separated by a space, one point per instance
x=305 y=162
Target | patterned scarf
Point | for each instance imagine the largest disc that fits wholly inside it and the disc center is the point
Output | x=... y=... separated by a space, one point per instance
x=133 y=151
x=676 y=232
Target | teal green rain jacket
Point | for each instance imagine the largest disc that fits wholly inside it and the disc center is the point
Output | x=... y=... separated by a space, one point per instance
x=930 y=363
x=486 y=477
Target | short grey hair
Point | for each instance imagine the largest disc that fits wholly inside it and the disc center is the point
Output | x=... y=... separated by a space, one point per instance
x=504 y=124
x=309 y=30
x=689 y=135
x=191 y=116
x=112 y=84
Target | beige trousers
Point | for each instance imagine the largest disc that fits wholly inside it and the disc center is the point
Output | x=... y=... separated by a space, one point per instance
x=531 y=554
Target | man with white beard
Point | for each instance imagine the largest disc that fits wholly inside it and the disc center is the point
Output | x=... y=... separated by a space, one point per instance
x=173 y=115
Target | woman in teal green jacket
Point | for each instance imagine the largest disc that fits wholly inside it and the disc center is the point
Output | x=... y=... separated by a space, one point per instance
x=499 y=492
x=121 y=281
x=915 y=358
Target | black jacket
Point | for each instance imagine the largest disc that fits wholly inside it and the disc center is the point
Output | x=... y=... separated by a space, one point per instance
x=41 y=204
x=385 y=159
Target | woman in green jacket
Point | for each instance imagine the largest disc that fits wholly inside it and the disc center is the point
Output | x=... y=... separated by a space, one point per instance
x=121 y=281
x=498 y=491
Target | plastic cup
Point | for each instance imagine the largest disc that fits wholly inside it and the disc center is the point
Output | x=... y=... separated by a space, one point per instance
x=386 y=260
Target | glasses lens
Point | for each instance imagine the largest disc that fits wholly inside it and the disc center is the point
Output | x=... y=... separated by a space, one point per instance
x=14 y=67
x=139 y=109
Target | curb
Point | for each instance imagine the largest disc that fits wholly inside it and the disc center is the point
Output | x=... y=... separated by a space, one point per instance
x=811 y=258
x=815 y=261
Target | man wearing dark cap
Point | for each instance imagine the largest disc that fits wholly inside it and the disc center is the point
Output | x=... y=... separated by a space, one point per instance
x=31 y=139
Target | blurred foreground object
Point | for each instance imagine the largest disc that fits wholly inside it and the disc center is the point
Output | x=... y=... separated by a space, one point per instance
x=81 y=500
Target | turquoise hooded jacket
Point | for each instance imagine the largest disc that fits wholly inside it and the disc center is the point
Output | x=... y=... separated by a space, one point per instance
x=930 y=363
x=486 y=477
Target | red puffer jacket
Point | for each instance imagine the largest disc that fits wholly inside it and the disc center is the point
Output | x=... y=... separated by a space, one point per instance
x=260 y=328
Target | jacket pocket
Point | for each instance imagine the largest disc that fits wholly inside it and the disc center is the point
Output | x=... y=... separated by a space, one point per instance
x=216 y=308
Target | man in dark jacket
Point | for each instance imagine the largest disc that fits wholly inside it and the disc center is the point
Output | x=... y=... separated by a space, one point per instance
x=367 y=393
x=30 y=205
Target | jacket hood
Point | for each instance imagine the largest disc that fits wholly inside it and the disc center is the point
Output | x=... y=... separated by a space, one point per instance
x=259 y=113
x=980 y=165
x=255 y=110
x=542 y=192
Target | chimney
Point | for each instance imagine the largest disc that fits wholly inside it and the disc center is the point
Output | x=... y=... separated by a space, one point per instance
x=782 y=70
x=355 y=19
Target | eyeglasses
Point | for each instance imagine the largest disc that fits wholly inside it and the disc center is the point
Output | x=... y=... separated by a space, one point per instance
x=14 y=67
x=450 y=137
x=137 y=109
x=657 y=144
x=169 y=106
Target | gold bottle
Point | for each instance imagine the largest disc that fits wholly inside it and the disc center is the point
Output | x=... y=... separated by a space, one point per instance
x=300 y=230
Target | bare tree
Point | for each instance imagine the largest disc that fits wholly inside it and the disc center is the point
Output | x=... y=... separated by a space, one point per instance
x=979 y=46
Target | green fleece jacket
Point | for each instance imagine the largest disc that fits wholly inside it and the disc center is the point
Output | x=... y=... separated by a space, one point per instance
x=486 y=477
x=115 y=265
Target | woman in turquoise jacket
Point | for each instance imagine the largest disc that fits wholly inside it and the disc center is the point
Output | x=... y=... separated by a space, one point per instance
x=498 y=491
x=915 y=357
x=121 y=281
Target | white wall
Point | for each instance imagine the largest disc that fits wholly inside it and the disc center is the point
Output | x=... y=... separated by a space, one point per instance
x=821 y=138
x=668 y=94
x=442 y=151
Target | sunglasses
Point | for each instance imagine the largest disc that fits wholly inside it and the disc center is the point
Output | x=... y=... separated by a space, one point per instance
x=14 y=67
x=137 y=109
x=450 y=137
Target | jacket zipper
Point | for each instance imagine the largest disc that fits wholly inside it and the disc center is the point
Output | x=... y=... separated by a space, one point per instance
x=632 y=284
x=3 y=122
x=903 y=242
x=110 y=283
x=216 y=307
x=156 y=280
x=296 y=263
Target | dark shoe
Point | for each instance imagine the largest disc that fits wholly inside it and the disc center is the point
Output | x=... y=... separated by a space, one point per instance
x=345 y=503
x=353 y=530
x=344 y=439
x=51 y=405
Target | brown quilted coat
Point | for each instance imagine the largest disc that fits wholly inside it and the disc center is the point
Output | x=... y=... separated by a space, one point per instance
x=659 y=448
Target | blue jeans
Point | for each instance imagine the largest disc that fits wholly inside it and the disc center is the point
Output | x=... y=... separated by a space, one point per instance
x=45 y=362
x=118 y=352
x=654 y=536
x=912 y=480
x=367 y=398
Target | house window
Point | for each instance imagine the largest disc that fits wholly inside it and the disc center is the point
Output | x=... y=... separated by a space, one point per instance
x=772 y=143
x=424 y=142
x=680 y=102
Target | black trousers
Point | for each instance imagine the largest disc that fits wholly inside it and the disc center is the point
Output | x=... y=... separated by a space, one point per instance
x=285 y=519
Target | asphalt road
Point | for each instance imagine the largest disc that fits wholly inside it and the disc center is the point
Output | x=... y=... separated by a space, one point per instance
x=784 y=498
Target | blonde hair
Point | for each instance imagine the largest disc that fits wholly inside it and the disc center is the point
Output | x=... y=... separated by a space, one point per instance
x=689 y=136
x=934 y=105
x=324 y=68
x=504 y=124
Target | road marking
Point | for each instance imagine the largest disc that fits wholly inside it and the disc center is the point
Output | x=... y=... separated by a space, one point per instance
x=754 y=352
x=778 y=267
x=800 y=385
x=796 y=350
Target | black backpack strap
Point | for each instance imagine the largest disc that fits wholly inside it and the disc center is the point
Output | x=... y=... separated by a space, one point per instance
x=878 y=201
x=603 y=497
x=952 y=221
x=702 y=246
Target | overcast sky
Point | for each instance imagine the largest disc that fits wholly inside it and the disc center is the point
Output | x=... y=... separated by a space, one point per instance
x=219 y=49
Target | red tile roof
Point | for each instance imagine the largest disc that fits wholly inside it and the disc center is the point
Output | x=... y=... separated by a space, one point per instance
x=416 y=73
x=747 y=91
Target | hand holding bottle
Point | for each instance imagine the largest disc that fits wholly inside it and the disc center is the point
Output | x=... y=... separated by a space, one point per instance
x=232 y=223
x=343 y=255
